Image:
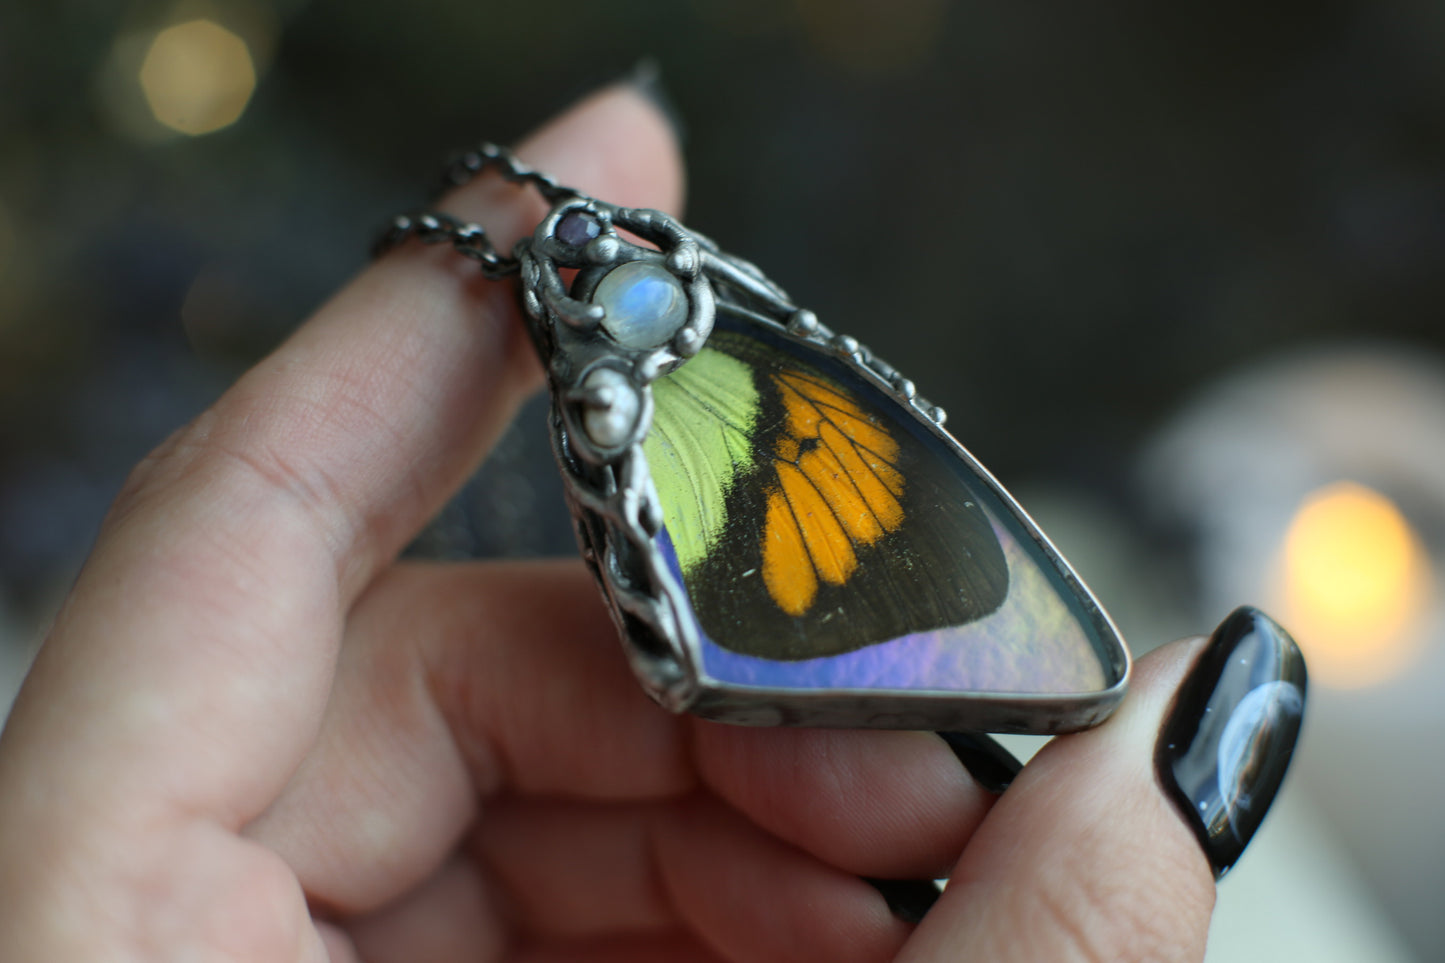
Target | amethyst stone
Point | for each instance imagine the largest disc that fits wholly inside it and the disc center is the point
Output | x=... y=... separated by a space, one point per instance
x=577 y=227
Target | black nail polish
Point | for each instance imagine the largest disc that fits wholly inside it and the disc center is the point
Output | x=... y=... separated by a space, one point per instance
x=992 y=766
x=1227 y=742
x=909 y=899
x=646 y=78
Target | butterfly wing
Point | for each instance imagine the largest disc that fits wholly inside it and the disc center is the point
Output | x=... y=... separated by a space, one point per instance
x=806 y=520
x=700 y=442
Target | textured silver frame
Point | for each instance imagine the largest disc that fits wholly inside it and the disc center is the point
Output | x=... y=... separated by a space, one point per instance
x=615 y=507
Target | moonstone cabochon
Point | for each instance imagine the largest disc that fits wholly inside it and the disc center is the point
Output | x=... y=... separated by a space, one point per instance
x=1041 y=640
x=644 y=304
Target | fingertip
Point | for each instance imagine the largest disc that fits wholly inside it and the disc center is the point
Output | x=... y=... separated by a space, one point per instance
x=1084 y=856
x=614 y=144
x=1087 y=855
x=622 y=148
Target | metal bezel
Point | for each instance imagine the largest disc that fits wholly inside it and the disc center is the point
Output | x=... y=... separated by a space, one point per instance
x=617 y=514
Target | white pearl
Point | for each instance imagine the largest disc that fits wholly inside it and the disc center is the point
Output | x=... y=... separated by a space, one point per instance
x=610 y=423
x=645 y=304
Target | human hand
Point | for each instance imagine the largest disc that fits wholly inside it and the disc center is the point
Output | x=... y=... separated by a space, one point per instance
x=253 y=735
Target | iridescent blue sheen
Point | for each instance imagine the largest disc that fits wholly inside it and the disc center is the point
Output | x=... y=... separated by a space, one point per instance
x=1034 y=643
x=645 y=304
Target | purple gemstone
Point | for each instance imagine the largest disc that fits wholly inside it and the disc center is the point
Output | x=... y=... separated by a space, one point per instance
x=577 y=227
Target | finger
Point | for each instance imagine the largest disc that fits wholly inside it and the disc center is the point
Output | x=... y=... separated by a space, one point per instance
x=605 y=878
x=188 y=668
x=463 y=682
x=338 y=946
x=560 y=875
x=457 y=683
x=672 y=948
x=1085 y=858
x=454 y=915
x=185 y=676
x=575 y=871
x=754 y=898
x=895 y=805
x=378 y=407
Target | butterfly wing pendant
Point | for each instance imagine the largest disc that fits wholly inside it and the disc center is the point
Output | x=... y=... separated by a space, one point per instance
x=784 y=531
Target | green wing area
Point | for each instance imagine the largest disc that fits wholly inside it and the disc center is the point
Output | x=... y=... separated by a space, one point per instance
x=700 y=443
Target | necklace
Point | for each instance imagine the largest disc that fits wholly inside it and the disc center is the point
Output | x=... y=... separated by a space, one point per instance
x=783 y=529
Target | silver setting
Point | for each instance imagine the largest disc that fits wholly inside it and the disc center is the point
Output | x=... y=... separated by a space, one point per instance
x=601 y=412
x=618 y=515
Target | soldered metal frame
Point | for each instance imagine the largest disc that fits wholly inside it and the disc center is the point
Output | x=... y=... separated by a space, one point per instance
x=618 y=516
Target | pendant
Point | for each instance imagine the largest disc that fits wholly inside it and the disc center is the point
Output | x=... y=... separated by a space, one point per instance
x=785 y=533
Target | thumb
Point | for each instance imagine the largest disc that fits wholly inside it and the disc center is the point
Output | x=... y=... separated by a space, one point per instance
x=1094 y=852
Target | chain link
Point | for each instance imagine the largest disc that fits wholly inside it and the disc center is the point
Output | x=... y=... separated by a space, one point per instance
x=470 y=240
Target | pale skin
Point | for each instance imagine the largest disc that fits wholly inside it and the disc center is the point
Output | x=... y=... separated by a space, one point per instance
x=253 y=735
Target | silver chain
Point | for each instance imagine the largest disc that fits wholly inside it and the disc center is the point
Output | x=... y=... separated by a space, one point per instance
x=471 y=240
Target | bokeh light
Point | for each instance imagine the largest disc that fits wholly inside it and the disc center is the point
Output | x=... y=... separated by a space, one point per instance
x=1356 y=584
x=197 y=77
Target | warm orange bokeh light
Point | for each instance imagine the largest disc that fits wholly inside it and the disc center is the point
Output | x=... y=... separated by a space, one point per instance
x=1356 y=585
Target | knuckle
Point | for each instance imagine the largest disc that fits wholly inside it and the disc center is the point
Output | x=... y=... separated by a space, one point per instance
x=253 y=456
x=160 y=467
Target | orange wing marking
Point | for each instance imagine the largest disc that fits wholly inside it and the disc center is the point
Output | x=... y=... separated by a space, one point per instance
x=838 y=489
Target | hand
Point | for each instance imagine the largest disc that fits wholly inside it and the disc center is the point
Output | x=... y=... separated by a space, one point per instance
x=253 y=735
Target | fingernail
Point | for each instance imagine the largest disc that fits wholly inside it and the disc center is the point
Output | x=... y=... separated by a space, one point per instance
x=992 y=766
x=1227 y=741
x=646 y=78
x=909 y=899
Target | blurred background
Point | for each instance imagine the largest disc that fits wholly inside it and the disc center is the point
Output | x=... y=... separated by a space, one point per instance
x=1176 y=271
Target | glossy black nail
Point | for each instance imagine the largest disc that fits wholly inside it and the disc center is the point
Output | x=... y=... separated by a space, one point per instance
x=992 y=766
x=909 y=899
x=1227 y=742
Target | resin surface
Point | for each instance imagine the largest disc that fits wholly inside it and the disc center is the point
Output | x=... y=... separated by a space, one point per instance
x=827 y=539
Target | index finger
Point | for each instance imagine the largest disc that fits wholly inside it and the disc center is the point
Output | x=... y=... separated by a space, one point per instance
x=190 y=665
